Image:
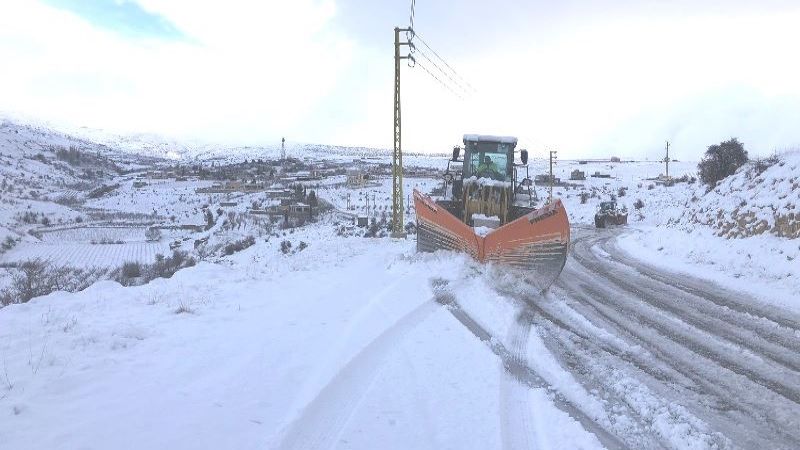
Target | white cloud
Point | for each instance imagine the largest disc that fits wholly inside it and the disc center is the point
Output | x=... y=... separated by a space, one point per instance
x=249 y=70
x=254 y=71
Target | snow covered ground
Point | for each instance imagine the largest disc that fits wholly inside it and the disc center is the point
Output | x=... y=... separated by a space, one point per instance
x=340 y=344
x=341 y=341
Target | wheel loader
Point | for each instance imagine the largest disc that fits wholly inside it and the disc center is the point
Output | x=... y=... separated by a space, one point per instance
x=608 y=214
x=488 y=211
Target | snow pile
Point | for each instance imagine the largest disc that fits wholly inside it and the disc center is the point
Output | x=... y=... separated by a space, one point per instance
x=762 y=197
x=483 y=181
x=483 y=231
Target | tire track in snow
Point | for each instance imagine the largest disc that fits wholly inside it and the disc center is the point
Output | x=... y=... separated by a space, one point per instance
x=518 y=368
x=732 y=393
x=616 y=421
x=517 y=422
x=325 y=417
x=770 y=341
x=726 y=299
x=702 y=341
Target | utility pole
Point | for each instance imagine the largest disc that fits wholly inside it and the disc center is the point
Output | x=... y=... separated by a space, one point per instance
x=398 y=225
x=283 y=149
x=666 y=160
x=553 y=156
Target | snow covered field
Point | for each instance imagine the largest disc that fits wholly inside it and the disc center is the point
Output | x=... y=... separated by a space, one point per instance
x=84 y=255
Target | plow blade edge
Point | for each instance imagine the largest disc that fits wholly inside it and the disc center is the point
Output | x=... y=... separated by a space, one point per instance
x=535 y=243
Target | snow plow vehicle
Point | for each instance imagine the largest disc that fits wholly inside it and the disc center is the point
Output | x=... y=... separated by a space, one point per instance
x=608 y=214
x=487 y=211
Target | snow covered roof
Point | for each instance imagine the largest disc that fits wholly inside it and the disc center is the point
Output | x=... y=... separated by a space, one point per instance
x=490 y=138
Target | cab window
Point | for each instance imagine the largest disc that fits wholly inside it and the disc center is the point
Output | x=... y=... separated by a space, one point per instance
x=489 y=160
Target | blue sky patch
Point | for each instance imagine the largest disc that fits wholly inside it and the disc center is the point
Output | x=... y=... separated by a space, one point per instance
x=123 y=17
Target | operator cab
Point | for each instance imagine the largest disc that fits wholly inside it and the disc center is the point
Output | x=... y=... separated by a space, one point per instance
x=488 y=181
x=489 y=156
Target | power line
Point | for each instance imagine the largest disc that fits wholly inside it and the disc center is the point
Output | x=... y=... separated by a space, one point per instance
x=417 y=63
x=411 y=17
x=410 y=32
x=455 y=82
x=418 y=36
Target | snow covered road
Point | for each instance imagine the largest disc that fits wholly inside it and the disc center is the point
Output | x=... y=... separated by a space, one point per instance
x=689 y=361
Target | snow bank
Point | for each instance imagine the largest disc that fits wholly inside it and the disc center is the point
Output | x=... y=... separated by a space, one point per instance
x=764 y=266
x=759 y=198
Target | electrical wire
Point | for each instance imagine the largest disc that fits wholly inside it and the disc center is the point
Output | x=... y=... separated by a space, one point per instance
x=410 y=33
x=455 y=82
x=418 y=64
x=418 y=36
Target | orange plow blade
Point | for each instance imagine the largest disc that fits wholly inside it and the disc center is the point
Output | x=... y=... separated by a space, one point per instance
x=536 y=243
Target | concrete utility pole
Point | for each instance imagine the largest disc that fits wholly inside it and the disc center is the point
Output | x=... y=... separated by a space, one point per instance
x=553 y=156
x=666 y=160
x=398 y=224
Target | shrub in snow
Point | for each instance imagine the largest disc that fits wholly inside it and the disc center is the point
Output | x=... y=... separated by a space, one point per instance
x=165 y=267
x=638 y=204
x=29 y=281
x=584 y=197
x=183 y=308
x=36 y=277
x=721 y=161
x=685 y=179
x=131 y=270
x=29 y=217
x=286 y=247
x=8 y=244
x=237 y=246
x=762 y=164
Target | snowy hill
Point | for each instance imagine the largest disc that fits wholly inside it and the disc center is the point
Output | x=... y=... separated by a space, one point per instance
x=761 y=197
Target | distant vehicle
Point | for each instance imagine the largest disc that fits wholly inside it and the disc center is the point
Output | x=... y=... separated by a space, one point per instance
x=608 y=214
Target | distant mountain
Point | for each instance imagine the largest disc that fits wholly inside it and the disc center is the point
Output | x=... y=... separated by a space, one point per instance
x=148 y=145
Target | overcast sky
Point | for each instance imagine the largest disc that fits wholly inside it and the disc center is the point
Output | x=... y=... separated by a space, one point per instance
x=585 y=77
